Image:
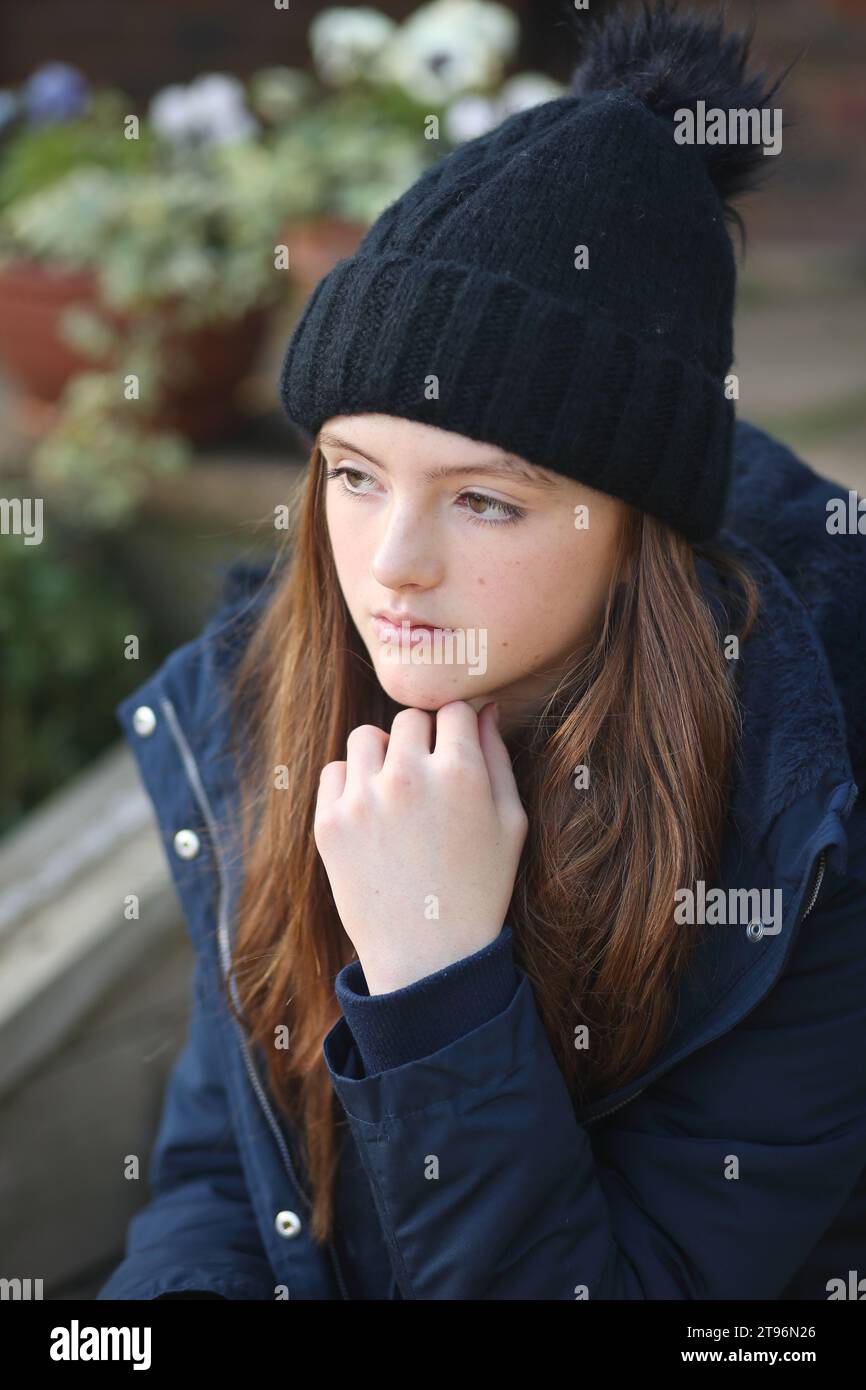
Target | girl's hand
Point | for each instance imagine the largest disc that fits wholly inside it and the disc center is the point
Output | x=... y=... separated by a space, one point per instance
x=421 y=848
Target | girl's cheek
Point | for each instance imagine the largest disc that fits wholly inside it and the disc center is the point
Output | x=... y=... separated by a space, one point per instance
x=347 y=543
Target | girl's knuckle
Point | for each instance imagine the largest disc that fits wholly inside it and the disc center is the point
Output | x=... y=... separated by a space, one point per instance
x=464 y=773
x=401 y=774
x=324 y=827
x=356 y=808
x=411 y=715
x=361 y=733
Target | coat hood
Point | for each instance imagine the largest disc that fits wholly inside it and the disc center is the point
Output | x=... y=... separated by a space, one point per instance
x=778 y=506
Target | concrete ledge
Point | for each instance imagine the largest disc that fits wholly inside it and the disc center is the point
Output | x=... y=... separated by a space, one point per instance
x=64 y=875
x=93 y=1010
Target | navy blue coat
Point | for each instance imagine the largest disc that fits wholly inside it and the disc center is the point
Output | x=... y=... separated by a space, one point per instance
x=635 y=1196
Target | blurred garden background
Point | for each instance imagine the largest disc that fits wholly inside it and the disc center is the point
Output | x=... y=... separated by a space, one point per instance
x=153 y=161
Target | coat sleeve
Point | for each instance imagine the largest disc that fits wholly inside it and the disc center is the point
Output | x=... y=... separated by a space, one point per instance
x=198 y=1232
x=715 y=1183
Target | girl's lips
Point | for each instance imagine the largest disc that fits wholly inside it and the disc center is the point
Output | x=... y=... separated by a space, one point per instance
x=387 y=631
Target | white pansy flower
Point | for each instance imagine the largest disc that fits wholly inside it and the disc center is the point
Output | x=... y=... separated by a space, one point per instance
x=448 y=48
x=209 y=111
x=344 y=42
x=217 y=90
x=168 y=112
x=440 y=71
x=490 y=23
x=470 y=116
x=219 y=103
x=528 y=89
x=436 y=66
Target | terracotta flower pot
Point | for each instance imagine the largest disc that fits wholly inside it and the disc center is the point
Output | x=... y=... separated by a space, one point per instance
x=36 y=356
x=315 y=246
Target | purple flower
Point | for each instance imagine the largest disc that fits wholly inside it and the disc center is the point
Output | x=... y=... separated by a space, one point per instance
x=55 y=92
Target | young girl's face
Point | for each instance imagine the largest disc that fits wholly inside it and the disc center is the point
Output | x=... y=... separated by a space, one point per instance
x=433 y=525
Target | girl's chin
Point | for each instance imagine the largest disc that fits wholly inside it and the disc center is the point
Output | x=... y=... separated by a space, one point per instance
x=426 y=690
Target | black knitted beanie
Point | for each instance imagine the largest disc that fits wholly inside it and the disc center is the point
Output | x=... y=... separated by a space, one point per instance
x=465 y=307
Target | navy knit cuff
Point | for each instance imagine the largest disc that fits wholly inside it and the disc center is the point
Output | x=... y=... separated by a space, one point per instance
x=419 y=1019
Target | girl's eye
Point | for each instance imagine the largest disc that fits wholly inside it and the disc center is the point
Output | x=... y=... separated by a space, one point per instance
x=508 y=512
x=342 y=473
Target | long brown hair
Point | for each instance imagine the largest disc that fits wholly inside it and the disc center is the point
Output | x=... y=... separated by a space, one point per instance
x=650 y=710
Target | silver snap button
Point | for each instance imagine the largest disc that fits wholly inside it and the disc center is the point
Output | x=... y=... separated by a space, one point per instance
x=144 y=721
x=755 y=930
x=288 y=1223
x=186 y=844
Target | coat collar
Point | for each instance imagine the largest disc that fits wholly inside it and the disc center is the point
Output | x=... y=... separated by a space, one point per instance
x=793 y=782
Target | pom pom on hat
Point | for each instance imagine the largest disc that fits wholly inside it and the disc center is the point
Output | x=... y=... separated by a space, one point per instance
x=670 y=61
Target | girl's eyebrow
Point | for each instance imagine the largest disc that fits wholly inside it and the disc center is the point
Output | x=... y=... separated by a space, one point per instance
x=501 y=463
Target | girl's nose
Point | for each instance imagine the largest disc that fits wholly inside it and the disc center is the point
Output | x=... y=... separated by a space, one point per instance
x=407 y=550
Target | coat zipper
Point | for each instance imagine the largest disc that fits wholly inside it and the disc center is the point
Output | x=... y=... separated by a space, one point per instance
x=225 y=955
x=595 y=1118
x=816 y=888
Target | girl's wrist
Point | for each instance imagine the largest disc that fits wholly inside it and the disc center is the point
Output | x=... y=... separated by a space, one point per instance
x=383 y=977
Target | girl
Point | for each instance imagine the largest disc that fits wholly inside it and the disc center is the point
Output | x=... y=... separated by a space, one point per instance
x=512 y=809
